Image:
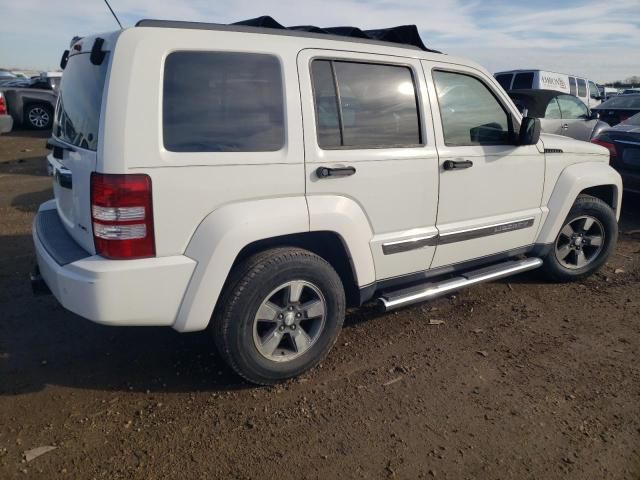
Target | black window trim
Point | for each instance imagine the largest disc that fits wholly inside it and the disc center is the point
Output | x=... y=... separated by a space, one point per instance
x=283 y=86
x=511 y=121
x=418 y=99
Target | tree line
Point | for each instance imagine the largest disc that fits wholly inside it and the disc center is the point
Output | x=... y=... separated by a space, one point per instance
x=632 y=81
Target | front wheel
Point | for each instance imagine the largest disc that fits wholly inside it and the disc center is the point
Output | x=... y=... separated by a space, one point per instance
x=585 y=241
x=280 y=314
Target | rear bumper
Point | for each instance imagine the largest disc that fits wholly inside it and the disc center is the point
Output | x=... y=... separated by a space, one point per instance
x=112 y=292
x=6 y=123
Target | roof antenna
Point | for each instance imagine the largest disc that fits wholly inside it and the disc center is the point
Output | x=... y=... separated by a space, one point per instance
x=113 y=13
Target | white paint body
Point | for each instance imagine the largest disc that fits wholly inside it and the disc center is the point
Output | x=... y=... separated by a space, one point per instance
x=208 y=206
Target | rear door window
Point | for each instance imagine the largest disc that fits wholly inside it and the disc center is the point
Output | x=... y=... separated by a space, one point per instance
x=222 y=102
x=523 y=80
x=572 y=86
x=582 y=88
x=77 y=115
x=376 y=105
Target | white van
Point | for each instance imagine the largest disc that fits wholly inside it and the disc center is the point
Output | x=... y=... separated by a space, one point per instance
x=586 y=90
x=257 y=181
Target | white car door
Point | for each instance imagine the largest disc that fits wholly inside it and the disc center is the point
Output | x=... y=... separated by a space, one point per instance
x=490 y=189
x=370 y=153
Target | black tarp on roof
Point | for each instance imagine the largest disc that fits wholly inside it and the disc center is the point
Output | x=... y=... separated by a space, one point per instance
x=404 y=34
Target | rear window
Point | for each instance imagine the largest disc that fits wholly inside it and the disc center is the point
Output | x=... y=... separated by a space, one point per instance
x=523 y=80
x=504 y=80
x=77 y=115
x=222 y=102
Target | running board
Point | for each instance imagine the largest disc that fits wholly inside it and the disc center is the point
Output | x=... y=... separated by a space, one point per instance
x=428 y=291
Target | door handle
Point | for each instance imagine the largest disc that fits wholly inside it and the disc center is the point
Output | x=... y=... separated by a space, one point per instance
x=565 y=126
x=326 y=172
x=457 y=164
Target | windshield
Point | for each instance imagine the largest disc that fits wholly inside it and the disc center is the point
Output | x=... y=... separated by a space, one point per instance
x=78 y=111
x=621 y=101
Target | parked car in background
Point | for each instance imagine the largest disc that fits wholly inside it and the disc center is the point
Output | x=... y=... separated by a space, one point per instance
x=617 y=109
x=623 y=143
x=585 y=89
x=559 y=113
x=6 y=121
x=630 y=91
x=7 y=76
x=30 y=107
x=607 y=92
x=44 y=81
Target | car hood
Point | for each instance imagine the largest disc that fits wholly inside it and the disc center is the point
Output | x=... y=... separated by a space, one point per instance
x=569 y=145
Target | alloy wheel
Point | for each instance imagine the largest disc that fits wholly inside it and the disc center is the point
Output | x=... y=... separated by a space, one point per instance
x=289 y=321
x=38 y=117
x=580 y=242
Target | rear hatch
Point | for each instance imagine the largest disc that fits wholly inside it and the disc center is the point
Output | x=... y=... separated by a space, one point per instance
x=76 y=137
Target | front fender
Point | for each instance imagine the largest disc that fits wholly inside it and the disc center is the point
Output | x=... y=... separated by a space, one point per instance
x=573 y=180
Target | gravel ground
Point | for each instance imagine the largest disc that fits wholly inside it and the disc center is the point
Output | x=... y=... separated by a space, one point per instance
x=514 y=379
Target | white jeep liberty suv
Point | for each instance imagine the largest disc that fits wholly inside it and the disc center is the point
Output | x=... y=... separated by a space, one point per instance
x=258 y=180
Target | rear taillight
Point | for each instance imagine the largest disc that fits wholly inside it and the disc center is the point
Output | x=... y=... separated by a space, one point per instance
x=122 y=216
x=608 y=145
x=3 y=105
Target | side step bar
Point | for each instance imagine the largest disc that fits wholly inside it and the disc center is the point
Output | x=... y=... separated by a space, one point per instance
x=427 y=291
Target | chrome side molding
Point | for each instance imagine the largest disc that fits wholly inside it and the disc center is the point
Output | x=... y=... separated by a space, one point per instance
x=471 y=233
x=428 y=291
x=400 y=246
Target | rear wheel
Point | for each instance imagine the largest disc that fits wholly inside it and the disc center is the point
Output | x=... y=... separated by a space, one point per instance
x=280 y=314
x=585 y=241
x=38 y=116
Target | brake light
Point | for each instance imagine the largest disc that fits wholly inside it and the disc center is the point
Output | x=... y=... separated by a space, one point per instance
x=122 y=216
x=608 y=145
x=3 y=105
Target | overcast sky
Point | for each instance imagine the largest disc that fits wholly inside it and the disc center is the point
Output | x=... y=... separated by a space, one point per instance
x=598 y=39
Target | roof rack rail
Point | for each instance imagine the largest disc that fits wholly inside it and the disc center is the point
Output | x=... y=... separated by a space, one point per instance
x=401 y=36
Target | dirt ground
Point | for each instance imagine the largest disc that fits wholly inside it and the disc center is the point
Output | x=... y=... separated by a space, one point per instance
x=522 y=379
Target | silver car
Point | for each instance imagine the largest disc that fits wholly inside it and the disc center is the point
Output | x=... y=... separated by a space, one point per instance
x=559 y=113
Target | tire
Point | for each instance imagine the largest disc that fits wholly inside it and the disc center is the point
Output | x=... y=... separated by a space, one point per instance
x=259 y=327
x=577 y=253
x=38 y=116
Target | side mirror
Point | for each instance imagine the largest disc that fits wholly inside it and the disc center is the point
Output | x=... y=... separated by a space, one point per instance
x=529 y=131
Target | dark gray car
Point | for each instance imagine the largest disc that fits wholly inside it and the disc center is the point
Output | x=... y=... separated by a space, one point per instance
x=30 y=107
x=559 y=113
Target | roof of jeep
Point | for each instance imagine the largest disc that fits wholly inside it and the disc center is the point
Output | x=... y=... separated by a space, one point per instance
x=405 y=36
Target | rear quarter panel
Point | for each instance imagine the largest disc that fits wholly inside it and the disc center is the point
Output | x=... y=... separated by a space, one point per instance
x=188 y=186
